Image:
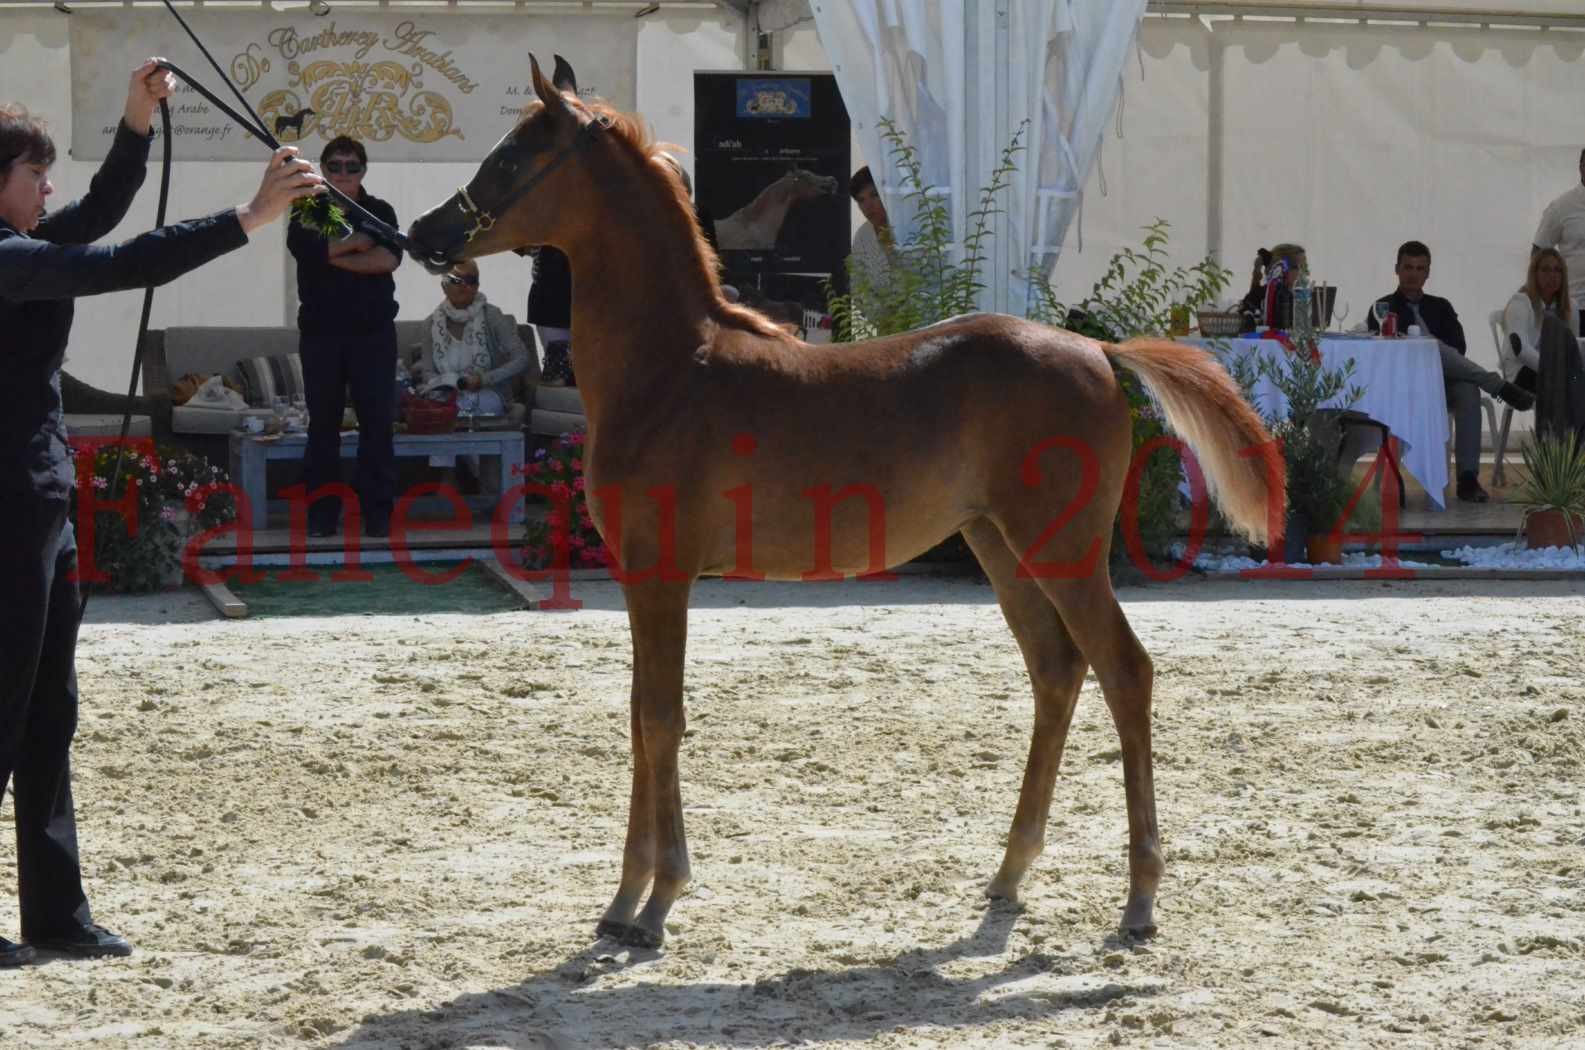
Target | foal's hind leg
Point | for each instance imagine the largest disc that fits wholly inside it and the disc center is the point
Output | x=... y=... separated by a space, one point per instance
x=1056 y=670
x=1097 y=624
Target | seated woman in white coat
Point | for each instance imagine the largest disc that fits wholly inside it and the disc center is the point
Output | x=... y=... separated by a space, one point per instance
x=471 y=345
x=1542 y=352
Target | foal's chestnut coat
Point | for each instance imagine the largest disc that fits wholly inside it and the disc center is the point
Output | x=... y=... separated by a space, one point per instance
x=718 y=445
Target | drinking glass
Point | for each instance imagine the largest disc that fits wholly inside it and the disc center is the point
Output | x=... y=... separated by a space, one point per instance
x=300 y=409
x=1340 y=316
x=1379 y=310
x=280 y=404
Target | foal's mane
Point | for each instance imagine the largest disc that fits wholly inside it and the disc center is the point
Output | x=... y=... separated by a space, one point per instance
x=634 y=134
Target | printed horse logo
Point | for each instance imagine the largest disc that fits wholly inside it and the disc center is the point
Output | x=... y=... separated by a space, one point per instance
x=295 y=121
x=756 y=225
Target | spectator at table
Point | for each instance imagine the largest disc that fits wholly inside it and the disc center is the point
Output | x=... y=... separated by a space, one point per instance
x=1254 y=304
x=471 y=345
x=1542 y=353
x=1463 y=379
x=1563 y=228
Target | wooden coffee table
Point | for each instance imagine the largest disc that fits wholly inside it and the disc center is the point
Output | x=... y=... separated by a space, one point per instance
x=250 y=453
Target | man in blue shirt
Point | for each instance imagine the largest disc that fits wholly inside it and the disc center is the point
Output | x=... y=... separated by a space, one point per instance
x=346 y=321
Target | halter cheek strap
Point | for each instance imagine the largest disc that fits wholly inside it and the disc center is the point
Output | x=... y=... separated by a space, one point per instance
x=482 y=220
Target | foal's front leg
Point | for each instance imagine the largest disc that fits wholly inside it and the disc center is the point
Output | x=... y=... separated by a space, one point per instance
x=638 y=854
x=658 y=613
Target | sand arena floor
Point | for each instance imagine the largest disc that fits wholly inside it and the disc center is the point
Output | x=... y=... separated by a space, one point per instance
x=399 y=831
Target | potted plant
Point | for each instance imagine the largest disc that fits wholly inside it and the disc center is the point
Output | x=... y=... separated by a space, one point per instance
x=1318 y=491
x=1553 y=492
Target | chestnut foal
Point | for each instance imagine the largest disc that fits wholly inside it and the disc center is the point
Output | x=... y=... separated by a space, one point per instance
x=718 y=445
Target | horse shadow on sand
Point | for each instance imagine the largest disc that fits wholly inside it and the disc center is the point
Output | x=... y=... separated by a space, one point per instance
x=565 y=1008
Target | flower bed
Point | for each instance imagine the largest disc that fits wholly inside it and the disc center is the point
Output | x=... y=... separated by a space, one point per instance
x=141 y=520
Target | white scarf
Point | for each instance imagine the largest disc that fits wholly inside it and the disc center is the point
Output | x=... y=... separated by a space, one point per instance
x=469 y=352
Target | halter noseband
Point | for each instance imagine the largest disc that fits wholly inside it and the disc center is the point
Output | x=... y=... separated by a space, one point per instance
x=483 y=220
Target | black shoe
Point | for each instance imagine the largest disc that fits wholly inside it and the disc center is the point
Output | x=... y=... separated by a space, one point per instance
x=88 y=941
x=1516 y=397
x=320 y=532
x=377 y=530
x=14 y=954
x=1469 y=489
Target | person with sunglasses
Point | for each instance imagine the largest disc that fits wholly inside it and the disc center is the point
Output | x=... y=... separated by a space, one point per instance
x=47 y=259
x=472 y=346
x=346 y=322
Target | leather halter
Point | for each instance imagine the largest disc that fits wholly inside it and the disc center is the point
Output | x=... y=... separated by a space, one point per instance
x=483 y=219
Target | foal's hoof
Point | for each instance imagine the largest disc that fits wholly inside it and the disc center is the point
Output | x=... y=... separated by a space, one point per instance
x=638 y=937
x=617 y=931
x=1137 y=934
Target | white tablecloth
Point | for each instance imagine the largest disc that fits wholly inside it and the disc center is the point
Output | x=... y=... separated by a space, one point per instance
x=1402 y=384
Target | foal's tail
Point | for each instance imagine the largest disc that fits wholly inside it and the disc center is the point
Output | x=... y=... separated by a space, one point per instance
x=1204 y=405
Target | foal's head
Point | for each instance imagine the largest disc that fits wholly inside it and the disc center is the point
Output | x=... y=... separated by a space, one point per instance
x=564 y=167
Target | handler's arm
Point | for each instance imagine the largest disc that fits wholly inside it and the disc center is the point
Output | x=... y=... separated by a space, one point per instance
x=36 y=269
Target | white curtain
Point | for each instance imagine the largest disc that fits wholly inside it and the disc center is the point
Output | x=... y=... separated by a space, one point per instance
x=959 y=78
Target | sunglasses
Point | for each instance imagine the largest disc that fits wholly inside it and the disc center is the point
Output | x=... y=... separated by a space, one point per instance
x=453 y=278
x=340 y=167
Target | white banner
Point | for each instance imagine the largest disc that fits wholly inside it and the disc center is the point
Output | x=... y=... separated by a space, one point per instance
x=409 y=85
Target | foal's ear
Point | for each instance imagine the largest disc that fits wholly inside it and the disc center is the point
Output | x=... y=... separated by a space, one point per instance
x=555 y=105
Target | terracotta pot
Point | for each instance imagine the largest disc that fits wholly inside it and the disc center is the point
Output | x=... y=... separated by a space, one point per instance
x=1546 y=528
x=1324 y=548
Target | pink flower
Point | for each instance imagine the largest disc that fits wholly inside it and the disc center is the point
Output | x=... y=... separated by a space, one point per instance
x=577 y=485
x=577 y=465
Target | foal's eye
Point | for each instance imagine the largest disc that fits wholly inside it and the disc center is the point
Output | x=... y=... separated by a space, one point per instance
x=508 y=166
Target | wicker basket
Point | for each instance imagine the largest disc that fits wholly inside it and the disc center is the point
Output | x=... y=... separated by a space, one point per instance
x=427 y=416
x=1220 y=324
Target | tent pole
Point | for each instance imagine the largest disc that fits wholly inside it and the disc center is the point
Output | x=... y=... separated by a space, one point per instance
x=1215 y=133
x=1001 y=260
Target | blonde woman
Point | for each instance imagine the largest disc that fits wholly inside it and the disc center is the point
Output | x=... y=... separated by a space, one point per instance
x=1545 y=294
x=471 y=345
x=1542 y=353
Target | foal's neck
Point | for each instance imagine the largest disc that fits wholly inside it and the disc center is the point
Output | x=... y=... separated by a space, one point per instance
x=641 y=303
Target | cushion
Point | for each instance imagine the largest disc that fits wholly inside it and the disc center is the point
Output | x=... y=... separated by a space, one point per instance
x=106 y=424
x=564 y=399
x=267 y=377
x=211 y=349
x=553 y=424
x=196 y=419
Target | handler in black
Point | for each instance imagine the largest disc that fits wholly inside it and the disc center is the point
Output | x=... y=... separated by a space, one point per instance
x=347 y=325
x=45 y=261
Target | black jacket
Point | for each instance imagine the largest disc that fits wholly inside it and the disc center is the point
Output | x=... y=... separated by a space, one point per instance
x=550 y=296
x=41 y=273
x=334 y=300
x=1441 y=319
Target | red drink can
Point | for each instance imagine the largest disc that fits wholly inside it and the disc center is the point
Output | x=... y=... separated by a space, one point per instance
x=1389 y=327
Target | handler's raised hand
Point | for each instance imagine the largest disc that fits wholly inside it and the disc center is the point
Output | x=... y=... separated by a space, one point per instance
x=148 y=85
x=286 y=178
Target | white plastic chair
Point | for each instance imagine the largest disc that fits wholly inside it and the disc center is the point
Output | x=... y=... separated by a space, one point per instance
x=1499 y=335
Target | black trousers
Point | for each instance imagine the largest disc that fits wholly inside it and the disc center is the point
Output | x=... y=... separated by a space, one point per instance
x=1560 y=388
x=364 y=362
x=38 y=708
